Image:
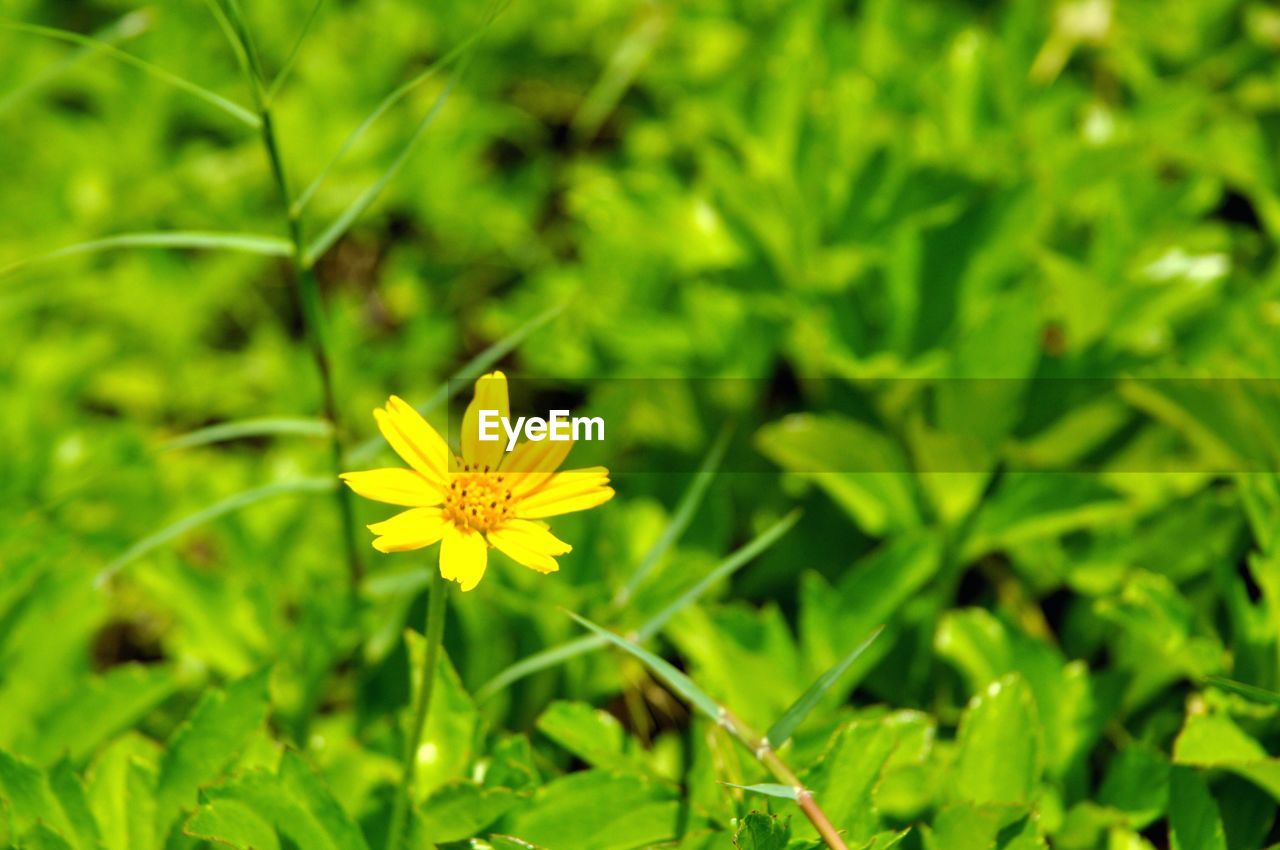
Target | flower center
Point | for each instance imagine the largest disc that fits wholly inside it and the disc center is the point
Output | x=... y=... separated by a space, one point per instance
x=478 y=498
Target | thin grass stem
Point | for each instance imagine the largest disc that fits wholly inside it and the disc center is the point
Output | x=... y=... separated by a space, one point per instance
x=421 y=709
x=306 y=285
x=230 y=107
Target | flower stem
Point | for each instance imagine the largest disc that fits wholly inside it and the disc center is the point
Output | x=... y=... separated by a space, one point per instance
x=435 y=636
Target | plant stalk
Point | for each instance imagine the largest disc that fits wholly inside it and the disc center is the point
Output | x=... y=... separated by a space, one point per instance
x=763 y=751
x=230 y=16
x=308 y=292
x=435 y=636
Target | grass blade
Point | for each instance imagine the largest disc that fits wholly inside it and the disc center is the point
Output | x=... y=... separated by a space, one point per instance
x=386 y=103
x=285 y=69
x=688 y=506
x=225 y=431
x=347 y=217
x=538 y=661
x=676 y=680
x=228 y=505
x=625 y=64
x=233 y=109
x=474 y=368
x=234 y=40
x=769 y=789
x=723 y=570
x=561 y=653
x=126 y=28
x=780 y=732
x=200 y=240
x=1251 y=692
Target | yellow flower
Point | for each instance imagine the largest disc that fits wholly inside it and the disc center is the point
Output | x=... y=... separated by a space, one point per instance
x=487 y=497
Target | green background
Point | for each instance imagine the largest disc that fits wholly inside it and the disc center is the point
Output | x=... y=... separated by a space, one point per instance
x=810 y=194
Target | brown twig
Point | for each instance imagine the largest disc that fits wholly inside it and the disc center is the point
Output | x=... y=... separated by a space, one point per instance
x=764 y=752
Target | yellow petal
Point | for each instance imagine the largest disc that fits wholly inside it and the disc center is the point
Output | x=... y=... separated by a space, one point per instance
x=530 y=464
x=491 y=394
x=463 y=556
x=530 y=544
x=414 y=439
x=566 y=492
x=569 y=504
x=411 y=529
x=395 y=487
x=569 y=479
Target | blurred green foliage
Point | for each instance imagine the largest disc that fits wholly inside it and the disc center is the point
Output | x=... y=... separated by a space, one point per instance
x=811 y=193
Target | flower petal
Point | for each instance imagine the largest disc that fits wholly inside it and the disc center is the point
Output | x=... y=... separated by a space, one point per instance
x=530 y=544
x=411 y=529
x=491 y=394
x=566 y=492
x=395 y=487
x=530 y=464
x=463 y=556
x=414 y=439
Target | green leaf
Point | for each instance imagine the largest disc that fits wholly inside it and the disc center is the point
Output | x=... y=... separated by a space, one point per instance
x=69 y=791
x=449 y=737
x=31 y=799
x=873 y=591
x=998 y=758
x=512 y=764
x=459 y=810
x=780 y=732
x=43 y=838
x=1194 y=822
x=1030 y=506
x=684 y=513
x=967 y=826
x=314 y=798
x=202 y=747
x=1137 y=783
x=855 y=476
x=983 y=648
x=769 y=789
x=246 y=428
x=762 y=832
x=507 y=842
x=98 y=708
x=294 y=801
x=592 y=735
x=677 y=681
x=232 y=823
x=122 y=785
x=1215 y=741
x=233 y=109
x=597 y=810
x=195 y=240
x=228 y=505
x=844 y=780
